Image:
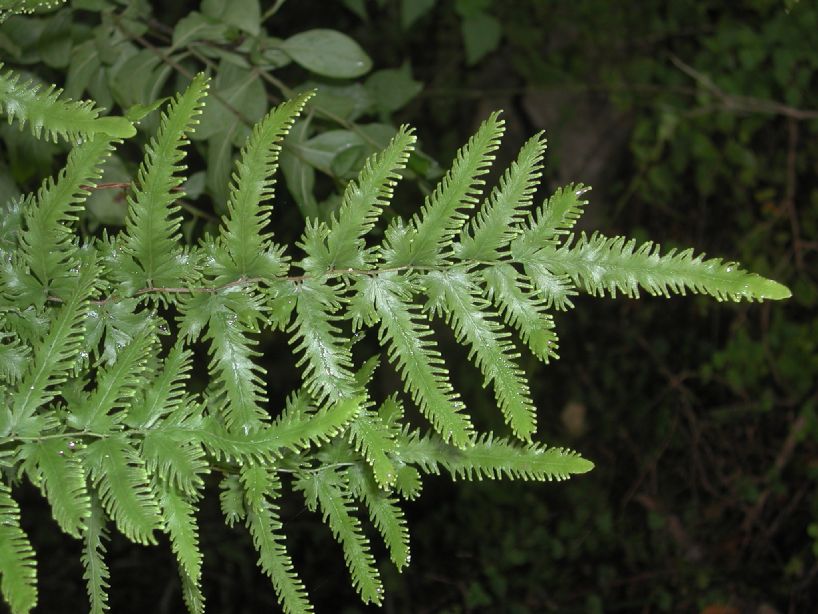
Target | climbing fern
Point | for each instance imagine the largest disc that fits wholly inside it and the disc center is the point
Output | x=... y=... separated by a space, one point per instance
x=97 y=338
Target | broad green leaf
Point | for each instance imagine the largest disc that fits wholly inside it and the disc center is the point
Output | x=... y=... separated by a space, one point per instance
x=329 y=53
x=481 y=36
x=195 y=27
x=393 y=88
x=243 y=14
x=412 y=10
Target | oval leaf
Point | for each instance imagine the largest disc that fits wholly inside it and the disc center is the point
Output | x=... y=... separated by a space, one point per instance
x=329 y=53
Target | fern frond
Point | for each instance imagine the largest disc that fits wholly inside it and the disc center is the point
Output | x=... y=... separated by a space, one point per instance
x=373 y=438
x=48 y=241
x=492 y=458
x=556 y=216
x=231 y=499
x=52 y=117
x=124 y=488
x=554 y=289
x=96 y=572
x=444 y=211
x=363 y=200
x=54 y=356
x=495 y=225
x=171 y=454
x=116 y=385
x=523 y=309
x=152 y=225
x=192 y=593
x=326 y=359
x=297 y=428
x=385 y=514
x=240 y=390
x=328 y=490
x=166 y=392
x=260 y=489
x=18 y=568
x=13 y=358
x=179 y=516
x=52 y=465
x=415 y=355
x=243 y=233
x=613 y=264
x=453 y=294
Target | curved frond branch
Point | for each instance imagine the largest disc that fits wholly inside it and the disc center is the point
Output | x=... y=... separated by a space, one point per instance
x=52 y=117
x=54 y=356
x=95 y=569
x=244 y=235
x=614 y=265
x=152 y=236
x=260 y=489
x=53 y=465
x=326 y=357
x=523 y=309
x=363 y=200
x=385 y=514
x=124 y=488
x=328 y=490
x=414 y=353
x=18 y=568
x=49 y=239
x=444 y=211
x=496 y=224
x=454 y=294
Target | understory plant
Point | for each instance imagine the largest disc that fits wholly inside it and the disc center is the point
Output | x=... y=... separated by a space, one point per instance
x=98 y=336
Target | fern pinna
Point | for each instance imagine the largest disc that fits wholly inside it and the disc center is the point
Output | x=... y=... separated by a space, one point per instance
x=95 y=407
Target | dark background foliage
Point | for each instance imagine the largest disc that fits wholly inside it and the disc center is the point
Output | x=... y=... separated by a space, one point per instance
x=694 y=121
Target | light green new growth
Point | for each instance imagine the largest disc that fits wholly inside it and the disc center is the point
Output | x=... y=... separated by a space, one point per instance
x=96 y=407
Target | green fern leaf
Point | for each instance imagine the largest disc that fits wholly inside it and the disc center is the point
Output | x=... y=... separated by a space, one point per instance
x=192 y=593
x=494 y=226
x=13 y=358
x=243 y=233
x=231 y=499
x=443 y=212
x=614 y=264
x=124 y=489
x=453 y=294
x=170 y=453
x=374 y=439
x=48 y=241
x=165 y=394
x=179 y=515
x=117 y=384
x=51 y=117
x=362 y=203
x=297 y=428
x=326 y=359
x=556 y=217
x=152 y=226
x=240 y=390
x=54 y=355
x=53 y=466
x=415 y=355
x=96 y=574
x=385 y=514
x=329 y=490
x=523 y=309
x=18 y=569
x=492 y=458
x=261 y=488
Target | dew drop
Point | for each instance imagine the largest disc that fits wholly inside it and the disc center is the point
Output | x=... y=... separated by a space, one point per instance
x=72 y=444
